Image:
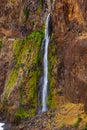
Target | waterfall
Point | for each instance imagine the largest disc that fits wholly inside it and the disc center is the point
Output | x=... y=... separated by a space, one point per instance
x=45 y=66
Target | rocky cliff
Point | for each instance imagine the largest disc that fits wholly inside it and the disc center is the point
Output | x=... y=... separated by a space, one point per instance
x=22 y=25
x=70 y=26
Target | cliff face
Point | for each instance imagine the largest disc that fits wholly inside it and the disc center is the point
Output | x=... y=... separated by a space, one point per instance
x=21 y=32
x=70 y=26
x=10 y=18
x=69 y=16
x=19 y=18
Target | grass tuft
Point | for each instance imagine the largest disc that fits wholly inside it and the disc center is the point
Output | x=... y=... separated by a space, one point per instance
x=77 y=122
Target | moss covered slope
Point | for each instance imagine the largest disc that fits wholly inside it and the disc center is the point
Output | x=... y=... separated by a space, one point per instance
x=24 y=76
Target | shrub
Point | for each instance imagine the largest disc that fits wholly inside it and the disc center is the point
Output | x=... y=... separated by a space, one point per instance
x=62 y=126
x=77 y=122
x=20 y=115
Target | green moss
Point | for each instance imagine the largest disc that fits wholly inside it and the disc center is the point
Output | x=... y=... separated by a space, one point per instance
x=52 y=61
x=20 y=89
x=36 y=37
x=34 y=74
x=39 y=9
x=27 y=52
x=20 y=115
x=26 y=14
x=51 y=102
x=77 y=122
x=62 y=126
x=25 y=74
x=85 y=127
x=0 y=43
x=20 y=49
x=10 y=83
x=41 y=2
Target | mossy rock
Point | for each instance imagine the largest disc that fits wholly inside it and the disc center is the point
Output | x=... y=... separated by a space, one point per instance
x=27 y=58
x=52 y=57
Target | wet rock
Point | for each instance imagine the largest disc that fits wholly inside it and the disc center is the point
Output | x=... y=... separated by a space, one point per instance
x=7 y=127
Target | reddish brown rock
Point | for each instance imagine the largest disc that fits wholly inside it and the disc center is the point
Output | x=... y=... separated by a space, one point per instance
x=19 y=18
x=5 y=62
x=69 y=26
x=67 y=15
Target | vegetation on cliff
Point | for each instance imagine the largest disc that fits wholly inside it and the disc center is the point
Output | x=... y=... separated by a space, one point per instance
x=53 y=58
x=25 y=74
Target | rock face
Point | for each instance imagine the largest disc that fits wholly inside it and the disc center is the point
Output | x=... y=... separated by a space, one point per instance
x=69 y=25
x=20 y=59
x=5 y=61
x=19 y=18
x=9 y=18
x=67 y=15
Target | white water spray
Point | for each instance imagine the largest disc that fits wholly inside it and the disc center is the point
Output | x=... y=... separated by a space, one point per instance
x=1 y=126
x=45 y=60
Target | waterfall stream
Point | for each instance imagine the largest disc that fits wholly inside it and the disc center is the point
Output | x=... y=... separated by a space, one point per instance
x=45 y=66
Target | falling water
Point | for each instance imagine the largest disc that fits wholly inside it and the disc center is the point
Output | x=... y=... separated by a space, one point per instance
x=45 y=61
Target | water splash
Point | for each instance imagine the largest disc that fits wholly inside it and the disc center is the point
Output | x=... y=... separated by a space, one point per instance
x=1 y=126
